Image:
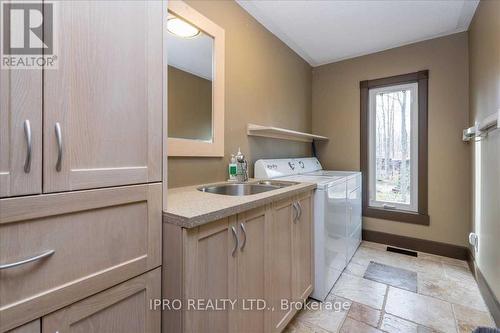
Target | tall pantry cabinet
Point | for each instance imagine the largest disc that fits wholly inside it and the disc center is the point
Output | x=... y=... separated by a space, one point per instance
x=81 y=158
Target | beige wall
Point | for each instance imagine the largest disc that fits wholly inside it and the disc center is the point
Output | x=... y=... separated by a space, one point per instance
x=266 y=83
x=336 y=112
x=189 y=105
x=484 y=51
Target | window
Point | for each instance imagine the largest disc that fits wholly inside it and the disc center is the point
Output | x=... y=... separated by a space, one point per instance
x=393 y=144
x=394 y=147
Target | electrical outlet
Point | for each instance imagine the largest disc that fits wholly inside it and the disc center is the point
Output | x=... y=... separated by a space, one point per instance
x=474 y=240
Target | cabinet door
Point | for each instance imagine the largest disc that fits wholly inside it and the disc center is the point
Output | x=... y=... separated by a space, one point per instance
x=20 y=132
x=210 y=274
x=303 y=248
x=103 y=105
x=253 y=273
x=282 y=287
x=123 y=308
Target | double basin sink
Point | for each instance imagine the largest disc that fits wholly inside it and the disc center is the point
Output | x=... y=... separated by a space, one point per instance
x=241 y=189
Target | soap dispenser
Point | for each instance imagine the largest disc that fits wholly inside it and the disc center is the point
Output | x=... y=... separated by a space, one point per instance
x=232 y=169
x=241 y=167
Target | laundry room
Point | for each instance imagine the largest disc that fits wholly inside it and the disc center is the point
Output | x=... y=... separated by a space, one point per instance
x=250 y=166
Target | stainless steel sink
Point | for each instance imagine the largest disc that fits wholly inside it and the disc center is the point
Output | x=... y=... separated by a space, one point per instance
x=245 y=188
x=277 y=183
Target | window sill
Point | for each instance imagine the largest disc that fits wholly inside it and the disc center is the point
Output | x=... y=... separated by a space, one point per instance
x=396 y=215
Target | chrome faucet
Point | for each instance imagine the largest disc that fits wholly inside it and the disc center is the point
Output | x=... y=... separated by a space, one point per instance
x=241 y=168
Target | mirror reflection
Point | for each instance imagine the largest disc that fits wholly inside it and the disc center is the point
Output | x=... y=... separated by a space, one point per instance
x=190 y=78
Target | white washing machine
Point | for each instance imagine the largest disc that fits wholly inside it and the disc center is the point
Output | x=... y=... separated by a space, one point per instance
x=353 y=198
x=337 y=214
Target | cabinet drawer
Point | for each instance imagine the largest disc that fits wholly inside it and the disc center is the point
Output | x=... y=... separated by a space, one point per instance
x=121 y=309
x=98 y=238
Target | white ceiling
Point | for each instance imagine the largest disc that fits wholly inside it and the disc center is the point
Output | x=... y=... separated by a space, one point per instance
x=192 y=55
x=324 y=31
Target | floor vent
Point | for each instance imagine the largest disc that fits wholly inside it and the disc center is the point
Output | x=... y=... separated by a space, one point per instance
x=402 y=251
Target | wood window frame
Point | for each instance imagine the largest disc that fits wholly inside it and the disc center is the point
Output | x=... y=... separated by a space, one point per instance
x=422 y=79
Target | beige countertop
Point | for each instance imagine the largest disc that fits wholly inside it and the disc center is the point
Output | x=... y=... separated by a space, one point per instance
x=187 y=207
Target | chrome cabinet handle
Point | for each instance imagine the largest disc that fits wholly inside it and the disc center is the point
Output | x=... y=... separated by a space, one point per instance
x=300 y=210
x=28 y=260
x=242 y=226
x=27 y=135
x=59 y=147
x=296 y=212
x=235 y=241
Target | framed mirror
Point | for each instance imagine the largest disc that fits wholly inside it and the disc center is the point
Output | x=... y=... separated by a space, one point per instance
x=195 y=83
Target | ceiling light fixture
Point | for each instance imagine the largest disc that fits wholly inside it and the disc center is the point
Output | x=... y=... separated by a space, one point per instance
x=181 y=28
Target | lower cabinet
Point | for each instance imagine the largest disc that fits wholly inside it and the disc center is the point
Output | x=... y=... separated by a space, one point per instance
x=124 y=308
x=209 y=274
x=292 y=266
x=303 y=248
x=282 y=288
x=240 y=273
x=253 y=266
x=227 y=260
x=60 y=248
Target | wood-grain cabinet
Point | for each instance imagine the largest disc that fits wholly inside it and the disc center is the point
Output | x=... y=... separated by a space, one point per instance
x=262 y=258
x=20 y=132
x=79 y=242
x=96 y=120
x=122 y=309
x=79 y=251
x=292 y=257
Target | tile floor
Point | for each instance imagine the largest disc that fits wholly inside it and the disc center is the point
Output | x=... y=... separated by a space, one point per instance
x=445 y=299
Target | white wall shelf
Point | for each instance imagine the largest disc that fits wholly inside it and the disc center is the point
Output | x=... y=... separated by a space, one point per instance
x=282 y=133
